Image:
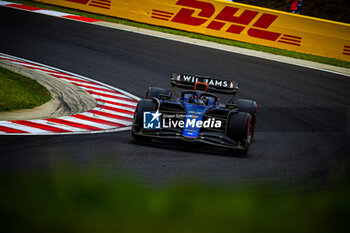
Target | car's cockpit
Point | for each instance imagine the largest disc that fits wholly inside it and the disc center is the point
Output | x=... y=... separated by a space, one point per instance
x=199 y=97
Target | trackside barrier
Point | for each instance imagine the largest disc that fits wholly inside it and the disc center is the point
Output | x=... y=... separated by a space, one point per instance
x=232 y=21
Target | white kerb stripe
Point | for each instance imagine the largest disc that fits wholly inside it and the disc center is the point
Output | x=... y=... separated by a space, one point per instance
x=115 y=106
x=107 y=93
x=63 y=75
x=57 y=125
x=115 y=100
x=24 y=128
x=31 y=66
x=116 y=113
x=87 y=84
x=3 y=3
x=87 y=123
x=52 y=13
x=89 y=114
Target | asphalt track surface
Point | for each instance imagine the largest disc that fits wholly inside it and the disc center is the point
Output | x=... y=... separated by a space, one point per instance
x=303 y=123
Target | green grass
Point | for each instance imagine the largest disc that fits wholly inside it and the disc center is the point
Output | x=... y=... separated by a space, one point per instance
x=19 y=92
x=96 y=202
x=277 y=51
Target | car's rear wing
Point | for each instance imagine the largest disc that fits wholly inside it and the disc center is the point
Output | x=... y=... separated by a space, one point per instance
x=211 y=85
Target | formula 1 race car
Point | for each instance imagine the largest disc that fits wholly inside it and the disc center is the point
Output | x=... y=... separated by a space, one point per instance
x=196 y=115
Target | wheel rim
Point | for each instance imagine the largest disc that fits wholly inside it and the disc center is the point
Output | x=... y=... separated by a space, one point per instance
x=250 y=134
x=249 y=137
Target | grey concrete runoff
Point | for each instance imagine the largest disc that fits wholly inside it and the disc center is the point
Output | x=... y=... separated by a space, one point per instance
x=66 y=99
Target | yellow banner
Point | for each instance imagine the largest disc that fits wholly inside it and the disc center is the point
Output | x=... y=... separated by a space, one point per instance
x=232 y=21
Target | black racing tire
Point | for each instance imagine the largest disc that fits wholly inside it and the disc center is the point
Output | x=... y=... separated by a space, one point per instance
x=248 y=106
x=144 y=105
x=239 y=129
x=156 y=92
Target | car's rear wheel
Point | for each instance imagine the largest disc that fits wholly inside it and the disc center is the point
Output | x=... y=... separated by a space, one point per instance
x=143 y=105
x=157 y=92
x=240 y=129
x=248 y=106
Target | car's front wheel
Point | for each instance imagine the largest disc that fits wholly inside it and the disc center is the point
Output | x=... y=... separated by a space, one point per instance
x=240 y=129
x=248 y=106
x=144 y=105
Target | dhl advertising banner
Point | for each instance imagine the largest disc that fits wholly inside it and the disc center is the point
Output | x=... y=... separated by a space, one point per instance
x=232 y=21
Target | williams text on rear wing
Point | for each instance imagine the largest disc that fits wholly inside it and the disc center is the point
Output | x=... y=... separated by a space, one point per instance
x=210 y=84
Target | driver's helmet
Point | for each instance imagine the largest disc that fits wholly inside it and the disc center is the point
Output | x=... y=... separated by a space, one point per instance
x=204 y=100
x=192 y=98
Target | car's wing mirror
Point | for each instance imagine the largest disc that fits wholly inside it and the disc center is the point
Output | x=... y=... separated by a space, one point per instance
x=164 y=96
x=231 y=106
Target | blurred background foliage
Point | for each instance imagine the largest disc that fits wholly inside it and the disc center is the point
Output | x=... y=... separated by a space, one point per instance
x=95 y=201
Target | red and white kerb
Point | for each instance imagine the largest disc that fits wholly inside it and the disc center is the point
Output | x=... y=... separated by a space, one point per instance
x=114 y=110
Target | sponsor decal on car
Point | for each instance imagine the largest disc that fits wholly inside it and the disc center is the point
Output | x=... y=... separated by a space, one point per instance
x=209 y=81
x=152 y=120
x=191 y=123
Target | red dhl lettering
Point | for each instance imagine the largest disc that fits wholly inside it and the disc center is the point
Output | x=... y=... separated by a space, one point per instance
x=238 y=22
x=185 y=15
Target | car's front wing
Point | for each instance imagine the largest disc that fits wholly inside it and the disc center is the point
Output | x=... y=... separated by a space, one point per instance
x=212 y=138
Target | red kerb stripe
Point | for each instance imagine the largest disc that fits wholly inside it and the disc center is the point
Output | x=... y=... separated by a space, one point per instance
x=98 y=120
x=10 y=130
x=73 y=79
x=41 y=126
x=96 y=88
x=114 y=103
x=24 y=7
x=111 y=96
x=110 y=115
x=70 y=123
x=114 y=109
x=44 y=70
x=81 y=18
x=22 y=62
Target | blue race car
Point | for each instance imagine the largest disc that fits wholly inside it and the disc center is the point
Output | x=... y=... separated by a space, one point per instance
x=196 y=115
